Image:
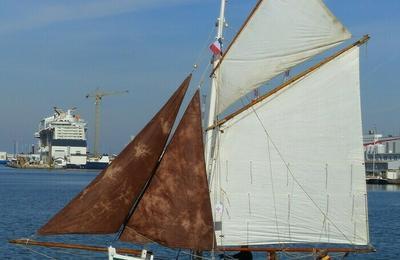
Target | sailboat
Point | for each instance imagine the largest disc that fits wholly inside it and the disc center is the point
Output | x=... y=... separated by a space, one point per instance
x=284 y=169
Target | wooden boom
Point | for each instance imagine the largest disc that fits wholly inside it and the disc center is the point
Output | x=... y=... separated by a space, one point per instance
x=29 y=242
x=271 y=250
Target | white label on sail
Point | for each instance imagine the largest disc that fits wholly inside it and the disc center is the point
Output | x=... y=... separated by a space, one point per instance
x=291 y=167
x=280 y=35
x=219 y=209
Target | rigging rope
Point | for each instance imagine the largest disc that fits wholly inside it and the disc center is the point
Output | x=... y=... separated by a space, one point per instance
x=36 y=252
x=273 y=193
x=200 y=59
x=204 y=76
x=200 y=56
x=272 y=188
x=294 y=178
x=78 y=254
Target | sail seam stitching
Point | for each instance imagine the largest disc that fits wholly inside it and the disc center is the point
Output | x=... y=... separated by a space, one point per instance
x=297 y=182
x=273 y=189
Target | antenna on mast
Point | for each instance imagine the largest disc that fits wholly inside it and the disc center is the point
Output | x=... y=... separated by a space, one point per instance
x=98 y=96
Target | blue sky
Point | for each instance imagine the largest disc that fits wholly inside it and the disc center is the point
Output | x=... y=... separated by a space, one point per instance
x=52 y=53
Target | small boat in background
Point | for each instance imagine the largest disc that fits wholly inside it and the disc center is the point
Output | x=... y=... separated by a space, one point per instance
x=100 y=162
x=3 y=158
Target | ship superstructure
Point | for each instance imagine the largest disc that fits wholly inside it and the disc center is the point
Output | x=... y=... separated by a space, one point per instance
x=62 y=139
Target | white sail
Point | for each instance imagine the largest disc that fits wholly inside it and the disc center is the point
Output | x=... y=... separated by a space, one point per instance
x=290 y=169
x=279 y=35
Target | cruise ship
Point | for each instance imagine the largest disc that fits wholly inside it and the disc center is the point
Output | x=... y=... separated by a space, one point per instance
x=62 y=139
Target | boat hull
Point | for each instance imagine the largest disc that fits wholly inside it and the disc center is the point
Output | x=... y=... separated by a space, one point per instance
x=89 y=166
x=96 y=165
x=377 y=181
x=3 y=161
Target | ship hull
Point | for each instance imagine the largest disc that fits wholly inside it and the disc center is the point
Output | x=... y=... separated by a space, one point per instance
x=88 y=166
x=96 y=165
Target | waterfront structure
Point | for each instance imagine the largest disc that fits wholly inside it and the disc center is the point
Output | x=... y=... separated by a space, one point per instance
x=62 y=139
x=3 y=157
x=382 y=153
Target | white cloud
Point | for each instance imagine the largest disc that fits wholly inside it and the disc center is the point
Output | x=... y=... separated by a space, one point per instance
x=39 y=14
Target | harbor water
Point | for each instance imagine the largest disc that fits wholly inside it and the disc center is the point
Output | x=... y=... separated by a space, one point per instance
x=30 y=197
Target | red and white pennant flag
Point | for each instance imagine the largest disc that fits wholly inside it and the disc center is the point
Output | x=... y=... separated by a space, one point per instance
x=215 y=47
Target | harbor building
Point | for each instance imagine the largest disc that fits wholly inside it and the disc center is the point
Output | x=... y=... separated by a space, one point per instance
x=62 y=139
x=3 y=157
x=382 y=155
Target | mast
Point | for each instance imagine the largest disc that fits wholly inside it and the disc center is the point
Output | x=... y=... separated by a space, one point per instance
x=213 y=90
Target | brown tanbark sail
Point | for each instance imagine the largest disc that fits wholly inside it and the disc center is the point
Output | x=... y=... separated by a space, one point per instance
x=175 y=210
x=103 y=206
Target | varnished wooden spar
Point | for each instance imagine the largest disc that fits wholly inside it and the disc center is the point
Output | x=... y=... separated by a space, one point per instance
x=270 y=250
x=363 y=40
x=29 y=242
